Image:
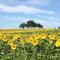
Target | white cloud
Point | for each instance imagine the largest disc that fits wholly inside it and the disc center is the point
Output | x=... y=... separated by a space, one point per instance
x=23 y=9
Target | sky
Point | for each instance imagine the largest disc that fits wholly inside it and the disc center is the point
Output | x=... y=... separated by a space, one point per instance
x=15 y=12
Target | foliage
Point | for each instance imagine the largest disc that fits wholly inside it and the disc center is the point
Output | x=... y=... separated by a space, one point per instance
x=31 y=23
x=59 y=27
x=23 y=25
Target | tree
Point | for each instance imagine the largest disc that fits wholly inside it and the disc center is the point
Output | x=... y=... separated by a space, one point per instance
x=59 y=27
x=39 y=25
x=31 y=23
x=22 y=25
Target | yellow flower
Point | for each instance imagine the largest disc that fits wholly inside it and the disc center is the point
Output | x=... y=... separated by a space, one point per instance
x=1 y=36
x=16 y=36
x=57 y=43
x=13 y=46
x=4 y=38
x=9 y=42
x=30 y=38
x=34 y=42
x=52 y=37
x=36 y=36
x=43 y=36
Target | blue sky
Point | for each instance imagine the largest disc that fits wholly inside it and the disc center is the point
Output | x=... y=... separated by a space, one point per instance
x=15 y=12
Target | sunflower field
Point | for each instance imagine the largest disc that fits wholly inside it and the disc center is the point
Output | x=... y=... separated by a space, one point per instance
x=30 y=44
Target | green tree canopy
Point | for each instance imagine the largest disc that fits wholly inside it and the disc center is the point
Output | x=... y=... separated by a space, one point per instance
x=31 y=23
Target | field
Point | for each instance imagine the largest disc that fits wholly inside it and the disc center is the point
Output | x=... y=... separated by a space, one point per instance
x=30 y=44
